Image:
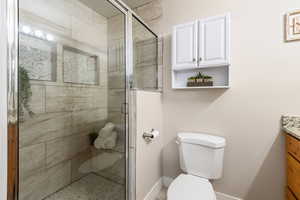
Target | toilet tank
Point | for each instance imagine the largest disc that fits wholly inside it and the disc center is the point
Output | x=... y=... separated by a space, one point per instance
x=201 y=154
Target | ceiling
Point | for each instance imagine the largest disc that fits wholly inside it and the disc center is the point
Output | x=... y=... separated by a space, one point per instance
x=136 y=3
x=104 y=8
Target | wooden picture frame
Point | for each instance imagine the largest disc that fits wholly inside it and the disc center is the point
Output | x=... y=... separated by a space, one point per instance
x=292 y=26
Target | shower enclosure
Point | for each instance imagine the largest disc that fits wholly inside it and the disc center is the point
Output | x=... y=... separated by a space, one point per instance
x=72 y=65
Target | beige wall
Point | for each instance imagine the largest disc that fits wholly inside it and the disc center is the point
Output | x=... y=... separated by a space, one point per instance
x=265 y=84
x=148 y=156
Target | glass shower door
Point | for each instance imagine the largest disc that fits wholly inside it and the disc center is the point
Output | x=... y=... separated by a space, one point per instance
x=72 y=89
x=145 y=56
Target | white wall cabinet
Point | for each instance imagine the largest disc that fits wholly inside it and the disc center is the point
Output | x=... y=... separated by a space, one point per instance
x=185 y=51
x=200 y=45
x=214 y=41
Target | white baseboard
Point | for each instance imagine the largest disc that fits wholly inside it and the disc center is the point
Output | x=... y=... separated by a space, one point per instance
x=220 y=196
x=154 y=192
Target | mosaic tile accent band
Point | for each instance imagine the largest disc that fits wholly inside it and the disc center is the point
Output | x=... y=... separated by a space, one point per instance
x=80 y=67
x=38 y=57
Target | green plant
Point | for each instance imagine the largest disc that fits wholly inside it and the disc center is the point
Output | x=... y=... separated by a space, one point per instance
x=192 y=78
x=199 y=75
x=25 y=92
x=206 y=77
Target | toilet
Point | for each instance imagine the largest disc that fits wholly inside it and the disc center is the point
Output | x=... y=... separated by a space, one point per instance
x=201 y=160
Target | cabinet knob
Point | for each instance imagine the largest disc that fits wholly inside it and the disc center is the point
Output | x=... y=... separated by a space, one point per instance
x=194 y=59
x=200 y=59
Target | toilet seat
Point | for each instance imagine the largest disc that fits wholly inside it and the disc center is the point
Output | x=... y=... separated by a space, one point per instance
x=189 y=187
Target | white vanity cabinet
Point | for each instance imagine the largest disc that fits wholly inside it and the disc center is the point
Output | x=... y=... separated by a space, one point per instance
x=202 y=46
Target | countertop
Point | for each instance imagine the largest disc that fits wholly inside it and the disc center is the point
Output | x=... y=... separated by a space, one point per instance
x=291 y=125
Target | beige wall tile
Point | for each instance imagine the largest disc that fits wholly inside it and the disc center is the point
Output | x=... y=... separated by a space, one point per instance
x=103 y=79
x=74 y=98
x=32 y=159
x=117 y=118
x=44 y=127
x=34 y=187
x=116 y=97
x=99 y=19
x=37 y=102
x=150 y=11
x=146 y=77
x=116 y=80
x=82 y=12
x=92 y=34
x=59 y=99
x=87 y=121
x=116 y=28
x=47 y=10
x=65 y=148
x=146 y=52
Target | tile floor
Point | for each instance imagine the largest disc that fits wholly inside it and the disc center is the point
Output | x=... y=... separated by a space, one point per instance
x=95 y=187
x=115 y=173
x=90 y=187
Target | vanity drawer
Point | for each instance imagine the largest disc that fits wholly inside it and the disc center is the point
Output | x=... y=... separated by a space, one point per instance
x=289 y=195
x=293 y=146
x=293 y=175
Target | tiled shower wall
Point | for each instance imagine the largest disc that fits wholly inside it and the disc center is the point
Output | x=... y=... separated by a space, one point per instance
x=54 y=142
x=116 y=72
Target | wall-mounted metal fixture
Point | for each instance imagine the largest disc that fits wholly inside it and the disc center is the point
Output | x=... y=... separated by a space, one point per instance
x=149 y=136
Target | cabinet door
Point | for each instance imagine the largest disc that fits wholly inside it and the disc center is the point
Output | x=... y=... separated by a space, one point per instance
x=289 y=195
x=214 y=41
x=293 y=175
x=185 y=47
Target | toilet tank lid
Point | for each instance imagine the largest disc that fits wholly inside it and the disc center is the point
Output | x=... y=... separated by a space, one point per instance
x=202 y=139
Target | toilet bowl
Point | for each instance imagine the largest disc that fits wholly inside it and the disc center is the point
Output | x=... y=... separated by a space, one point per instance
x=201 y=158
x=189 y=187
